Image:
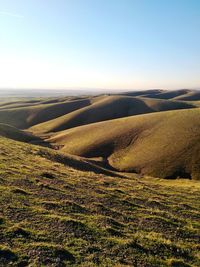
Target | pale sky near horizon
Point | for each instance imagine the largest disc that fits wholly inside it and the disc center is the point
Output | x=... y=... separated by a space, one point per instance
x=107 y=44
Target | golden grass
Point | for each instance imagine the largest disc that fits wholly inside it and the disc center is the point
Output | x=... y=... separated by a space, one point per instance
x=108 y=108
x=25 y=117
x=53 y=214
x=16 y=134
x=162 y=144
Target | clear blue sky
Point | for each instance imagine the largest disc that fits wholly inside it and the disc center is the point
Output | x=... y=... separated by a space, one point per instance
x=127 y=44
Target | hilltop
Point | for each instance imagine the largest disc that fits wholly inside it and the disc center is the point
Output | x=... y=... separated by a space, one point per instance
x=66 y=112
x=108 y=108
x=24 y=115
x=182 y=94
x=147 y=132
x=81 y=180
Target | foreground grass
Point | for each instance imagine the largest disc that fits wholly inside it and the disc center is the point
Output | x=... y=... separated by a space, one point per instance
x=54 y=215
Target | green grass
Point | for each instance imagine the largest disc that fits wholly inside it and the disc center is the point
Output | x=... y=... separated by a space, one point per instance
x=56 y=215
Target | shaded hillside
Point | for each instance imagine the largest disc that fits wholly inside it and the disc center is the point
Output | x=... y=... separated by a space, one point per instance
x=179 y=94
x=76 y=111
x=169 y=94
x=76 y=162
x=18 y=103
x=151 y=92
x=190 y=96
x=25 y=117
x=24 y=102
x=54 y=215
x=16 y=134
x=163 y=144
x=108 y=108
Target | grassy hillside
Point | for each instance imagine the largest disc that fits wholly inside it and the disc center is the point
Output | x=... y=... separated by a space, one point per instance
x=161 y=94
x=16 y=134
x=108 y=108
x=55 y=215
x=24 y=117
x=55 y=114
x=146 y=93
x=190 y=96
x=18 y=103
x=9 y=103
x=165 y=144
x=170 y=94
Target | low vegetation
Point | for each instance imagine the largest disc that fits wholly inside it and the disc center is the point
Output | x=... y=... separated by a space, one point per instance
x=26 y=115
x=108 y=108
x=16 y=134
x=81 y=180
x=164 y=144
x=53 y=214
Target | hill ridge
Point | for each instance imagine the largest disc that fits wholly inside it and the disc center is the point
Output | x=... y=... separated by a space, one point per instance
x=152 y=147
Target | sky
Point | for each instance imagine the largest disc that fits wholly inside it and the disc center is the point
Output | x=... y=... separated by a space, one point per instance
x=105 y=44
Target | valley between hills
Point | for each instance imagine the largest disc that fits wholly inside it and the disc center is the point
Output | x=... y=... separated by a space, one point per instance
x=101 y=180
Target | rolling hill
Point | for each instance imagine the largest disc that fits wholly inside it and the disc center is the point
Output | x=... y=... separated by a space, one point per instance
x=95 y=196
x=169 y=94
x=151 y=92
x=16 y=134
x=24 y=117
x=182 y=94
x=190 y=96
x=108 y=108
x=165 y=144
x=162 y=94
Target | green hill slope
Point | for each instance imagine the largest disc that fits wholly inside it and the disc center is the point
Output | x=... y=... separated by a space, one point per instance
x=163 y=144
x=108 y=108
x=55 y=215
